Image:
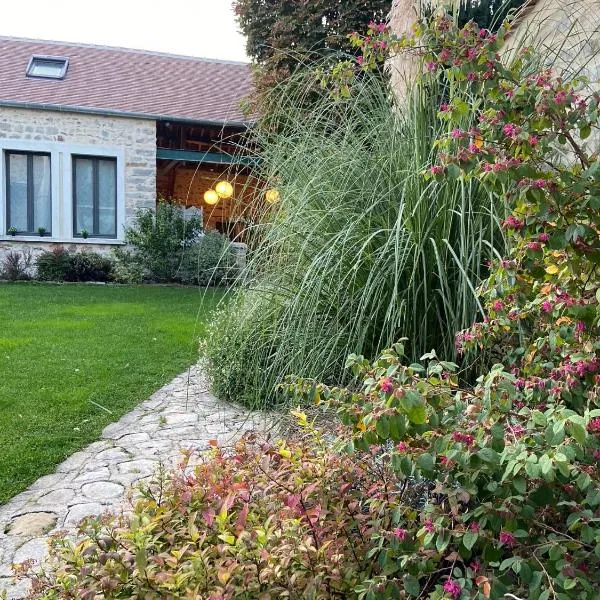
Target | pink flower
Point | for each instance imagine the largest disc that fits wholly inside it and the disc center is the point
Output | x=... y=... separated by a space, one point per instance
x=429 y=526
x=474 y=526
x=546 y=306
x=436 y=170
x=445 y=55
x=399 y=533
x=451 y=587
x=507 y=538
x=513 y=223
x=534 y=140
x=386 y=385
x=594 y=425
x=560 y=97
x=498 y=305
x=360 y=60
x=534 y=246
x=544 y=237
x=580 y=327
x=475 y=566
x=596 y=454
x=445 y=107
x=511 y=130
x=402 y=447
x=456 y=134
x=432 y=66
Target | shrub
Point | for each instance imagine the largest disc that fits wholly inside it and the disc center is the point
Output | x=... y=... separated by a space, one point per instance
x=89 y=266
x=208 y=261
x=17 y=265
x=59 y=264
x=160 y=239
x=126 y=267
x=257 y=521
x=53 y=265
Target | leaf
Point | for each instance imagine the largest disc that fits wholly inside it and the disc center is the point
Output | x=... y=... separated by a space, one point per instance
x=469 y=539
x=552 y=269
x=383 y=427
x=520 y=485
x=426 y=462
x=488 y=455
x=411 y=585
x=223 y=576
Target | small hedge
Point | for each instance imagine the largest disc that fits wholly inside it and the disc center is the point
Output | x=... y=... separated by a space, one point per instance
x=61 y=265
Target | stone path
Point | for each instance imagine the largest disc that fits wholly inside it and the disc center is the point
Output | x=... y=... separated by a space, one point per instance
x=180 y=415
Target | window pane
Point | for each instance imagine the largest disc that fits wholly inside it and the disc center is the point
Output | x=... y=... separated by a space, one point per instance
x=42 y=205
x=84 y=194
x=107 y=198
x=46 y=68
x=17 y=191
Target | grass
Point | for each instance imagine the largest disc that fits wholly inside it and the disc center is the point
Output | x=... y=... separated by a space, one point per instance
x=76 y=357
x=361 y=250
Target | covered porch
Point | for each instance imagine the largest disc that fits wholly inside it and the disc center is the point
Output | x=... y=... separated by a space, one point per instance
x=192 y=158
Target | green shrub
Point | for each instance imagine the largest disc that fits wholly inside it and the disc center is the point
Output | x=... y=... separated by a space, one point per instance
x=210 y=261
x=126 y=267
x=53 y=265
x=89 y=266
x=59 y=264
x=360 y=250
x=159 y=239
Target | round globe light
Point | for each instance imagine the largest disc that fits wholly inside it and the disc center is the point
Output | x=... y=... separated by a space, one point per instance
x=224 y=189
x=211 y=197
x=272 y=196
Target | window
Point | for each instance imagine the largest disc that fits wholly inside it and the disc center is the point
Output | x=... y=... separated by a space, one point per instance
x=95 y=196
x=28 y=192
x=48 y=67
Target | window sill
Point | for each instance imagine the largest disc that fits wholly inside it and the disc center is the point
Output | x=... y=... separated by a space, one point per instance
x=50 y=240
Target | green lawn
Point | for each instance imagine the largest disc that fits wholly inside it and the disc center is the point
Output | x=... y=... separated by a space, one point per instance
x=67 y=350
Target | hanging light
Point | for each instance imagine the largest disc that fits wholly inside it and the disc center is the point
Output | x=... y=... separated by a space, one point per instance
x=224 y=189
x=211 y=197
x=272 y=196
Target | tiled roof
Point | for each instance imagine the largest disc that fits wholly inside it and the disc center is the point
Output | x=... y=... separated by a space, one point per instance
x=118 y=80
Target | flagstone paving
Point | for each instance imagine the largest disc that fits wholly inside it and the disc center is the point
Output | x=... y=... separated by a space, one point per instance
x=183 y=414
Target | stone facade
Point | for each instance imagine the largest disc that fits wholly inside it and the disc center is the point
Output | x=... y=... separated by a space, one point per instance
x=131 y=141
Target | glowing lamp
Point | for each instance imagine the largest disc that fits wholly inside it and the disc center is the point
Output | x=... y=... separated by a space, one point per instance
x=224 y=189
x=211 y=197
x=272 y=196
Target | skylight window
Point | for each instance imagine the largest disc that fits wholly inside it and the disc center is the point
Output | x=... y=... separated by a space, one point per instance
x=48 y=67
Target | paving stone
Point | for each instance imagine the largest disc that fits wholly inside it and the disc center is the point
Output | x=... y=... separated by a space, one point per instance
x=112 y=455
x=80 y=511
x=131 y=439
x=102 y=491
x=35 y=550
x=142 y=466
x=32 y=524
x=60 y=496
x=93 y=475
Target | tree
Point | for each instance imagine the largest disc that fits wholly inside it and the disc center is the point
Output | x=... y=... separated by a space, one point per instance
x=284 y=33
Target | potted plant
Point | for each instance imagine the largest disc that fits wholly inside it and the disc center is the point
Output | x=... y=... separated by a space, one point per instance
x=41 y=231
x=12 y=230
x=84 y=233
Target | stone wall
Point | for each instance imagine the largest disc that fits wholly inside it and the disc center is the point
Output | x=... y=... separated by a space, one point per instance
x=133 y=141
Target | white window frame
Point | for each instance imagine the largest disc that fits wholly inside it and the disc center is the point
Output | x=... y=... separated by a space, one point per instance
x=61 y=169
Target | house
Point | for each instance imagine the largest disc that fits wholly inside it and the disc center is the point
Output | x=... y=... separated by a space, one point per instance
x=91 y=134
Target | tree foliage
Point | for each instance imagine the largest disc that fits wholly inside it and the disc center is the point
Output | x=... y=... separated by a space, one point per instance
x=282 y=34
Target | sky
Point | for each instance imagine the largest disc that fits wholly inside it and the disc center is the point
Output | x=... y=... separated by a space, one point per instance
x=203 y=28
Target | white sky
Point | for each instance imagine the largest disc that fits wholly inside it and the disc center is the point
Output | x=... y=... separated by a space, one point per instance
x=193 y=27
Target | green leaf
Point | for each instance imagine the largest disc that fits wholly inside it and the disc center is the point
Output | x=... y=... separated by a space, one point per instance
x=383 y=427
x=488 y=455
x=469 y=539
x=411 y=585
x=426 y=462
x=520 y=485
